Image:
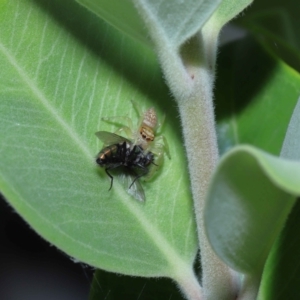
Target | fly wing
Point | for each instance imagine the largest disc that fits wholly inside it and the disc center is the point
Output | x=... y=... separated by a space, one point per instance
x=133 y=187
x=109 y=138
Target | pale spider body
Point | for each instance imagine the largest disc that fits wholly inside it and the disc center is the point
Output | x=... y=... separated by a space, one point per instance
x=146 y=131
x=146 y=135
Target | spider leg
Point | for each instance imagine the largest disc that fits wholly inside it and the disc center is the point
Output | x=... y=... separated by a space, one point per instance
x=137 y=108
x=127 y=130
x=160 y=124
x=118 y=120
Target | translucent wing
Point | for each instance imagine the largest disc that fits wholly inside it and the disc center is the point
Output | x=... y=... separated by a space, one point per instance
x=135 y=190
x=109 y=138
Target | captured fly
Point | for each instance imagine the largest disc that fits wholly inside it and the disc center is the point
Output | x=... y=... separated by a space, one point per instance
x=120 y=152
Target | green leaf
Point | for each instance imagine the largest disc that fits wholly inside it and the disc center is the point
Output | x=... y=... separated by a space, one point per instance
x=120 y=14
x=251 y=194
x=255 y=97
x=172 y=23
x=111 y=286
x=226 y=11
x=62 y=70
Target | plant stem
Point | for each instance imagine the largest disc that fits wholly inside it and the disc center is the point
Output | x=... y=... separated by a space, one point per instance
x=197 y=117
x=191 y=82
x=250 y=287
x=195 y=102
x=189 y=285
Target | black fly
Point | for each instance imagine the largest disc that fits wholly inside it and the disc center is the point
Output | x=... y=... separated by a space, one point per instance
x=121 y=152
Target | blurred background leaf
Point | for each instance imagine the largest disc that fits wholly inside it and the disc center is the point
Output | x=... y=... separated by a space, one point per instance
x=110 y=286
x=256 y=94
x=276 y=25
x=256 y=103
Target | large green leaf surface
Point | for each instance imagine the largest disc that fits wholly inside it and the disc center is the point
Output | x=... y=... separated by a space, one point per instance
x=61 y=71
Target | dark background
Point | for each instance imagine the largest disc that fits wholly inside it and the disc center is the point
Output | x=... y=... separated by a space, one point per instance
x=32 y=269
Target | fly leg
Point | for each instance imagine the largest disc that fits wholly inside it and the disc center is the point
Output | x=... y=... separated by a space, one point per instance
x=139 y=176
x=113 y=166
x=111 y=178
